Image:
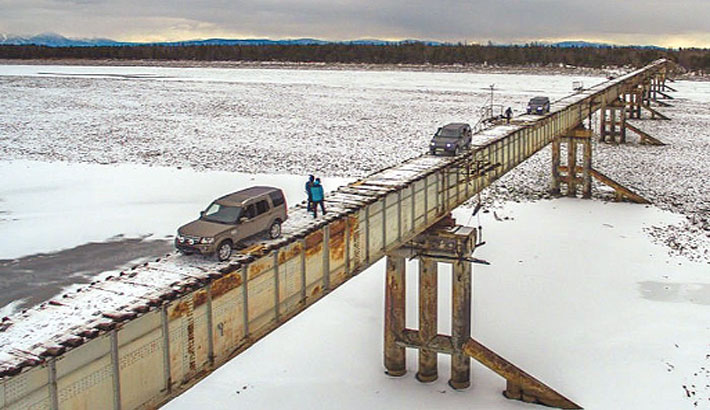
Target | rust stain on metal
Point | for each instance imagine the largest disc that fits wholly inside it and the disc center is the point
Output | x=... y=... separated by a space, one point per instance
x=353 y=224
x=520 y=383
x=290 y=253
x=315 y=291
x=338 y=277
x=337 y=244
x=354 y=239
x=225 y=284
x=337 y=226
x=180 y=309
x=199 y=297
x=254 y=249
x=260 y=266
x=191 y=340
x=314 y=243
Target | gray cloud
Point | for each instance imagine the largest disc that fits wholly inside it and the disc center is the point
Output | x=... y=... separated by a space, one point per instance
x=640 y=21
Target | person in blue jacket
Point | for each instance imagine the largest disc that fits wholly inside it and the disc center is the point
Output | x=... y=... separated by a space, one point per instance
x=309 y=185
x=317 y=197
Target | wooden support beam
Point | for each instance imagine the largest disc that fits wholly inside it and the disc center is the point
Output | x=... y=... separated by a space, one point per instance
x=622 y=125
x=555 y=182
x=669 y=88
x=520 y=385
x=666 y=96
x=663 y=103
x=638 y=101
x=621 y=191
x=654 y=113
x=587 y=167
x=602 y=119
x=572 y=167
x=645 y=137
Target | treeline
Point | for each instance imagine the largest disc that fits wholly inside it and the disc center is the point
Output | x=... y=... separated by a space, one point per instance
x=411 y=53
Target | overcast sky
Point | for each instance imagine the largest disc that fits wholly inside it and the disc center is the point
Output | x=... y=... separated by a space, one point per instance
x=677 y=23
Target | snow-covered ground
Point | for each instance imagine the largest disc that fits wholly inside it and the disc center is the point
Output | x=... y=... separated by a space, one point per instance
x=584 y=295
x=339 y=123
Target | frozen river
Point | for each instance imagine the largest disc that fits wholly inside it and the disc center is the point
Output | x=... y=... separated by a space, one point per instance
x=103 y=163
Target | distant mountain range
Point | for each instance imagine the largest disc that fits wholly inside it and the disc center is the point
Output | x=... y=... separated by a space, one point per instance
x=57 y=40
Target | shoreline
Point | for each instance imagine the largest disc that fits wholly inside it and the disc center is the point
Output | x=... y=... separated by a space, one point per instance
x=559 y=69
x=454 y=68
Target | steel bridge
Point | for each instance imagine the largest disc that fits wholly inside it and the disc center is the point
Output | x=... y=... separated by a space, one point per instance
x=149 y=352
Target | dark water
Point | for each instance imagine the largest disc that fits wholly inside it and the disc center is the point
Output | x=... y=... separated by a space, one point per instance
x=37 y=278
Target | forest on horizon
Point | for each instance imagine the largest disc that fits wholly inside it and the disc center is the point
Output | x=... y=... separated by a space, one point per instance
x=691 y=59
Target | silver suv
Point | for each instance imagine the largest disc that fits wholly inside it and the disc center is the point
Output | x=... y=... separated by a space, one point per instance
x=539 y=105
x=451 y=139
x=231 y=219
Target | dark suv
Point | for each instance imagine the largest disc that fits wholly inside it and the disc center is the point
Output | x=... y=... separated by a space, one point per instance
x=539 y=105
x=451 y=139
x=232 y=218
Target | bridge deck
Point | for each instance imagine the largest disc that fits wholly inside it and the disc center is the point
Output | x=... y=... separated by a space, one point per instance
x=177 y=317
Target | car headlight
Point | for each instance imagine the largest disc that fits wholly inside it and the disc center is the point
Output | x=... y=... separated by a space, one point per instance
x=448 y=145
x=539 y=108
x=432 y=144
x=206 y=240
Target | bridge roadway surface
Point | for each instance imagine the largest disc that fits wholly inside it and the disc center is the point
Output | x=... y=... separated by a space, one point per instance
x=270 y=281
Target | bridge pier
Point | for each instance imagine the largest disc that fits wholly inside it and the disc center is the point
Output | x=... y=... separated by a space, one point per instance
x=571 y=174
x=633 y=100
x=446 y=242
x=612 y=127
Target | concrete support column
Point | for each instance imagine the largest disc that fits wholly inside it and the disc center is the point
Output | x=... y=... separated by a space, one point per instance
x=428 y=289
x=460 y=324
x=571 y=166
x=395 y=295
x=555 y=182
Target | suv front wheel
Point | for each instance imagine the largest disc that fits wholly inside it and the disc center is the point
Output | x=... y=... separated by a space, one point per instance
x=275 y=230
x=224 y=250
